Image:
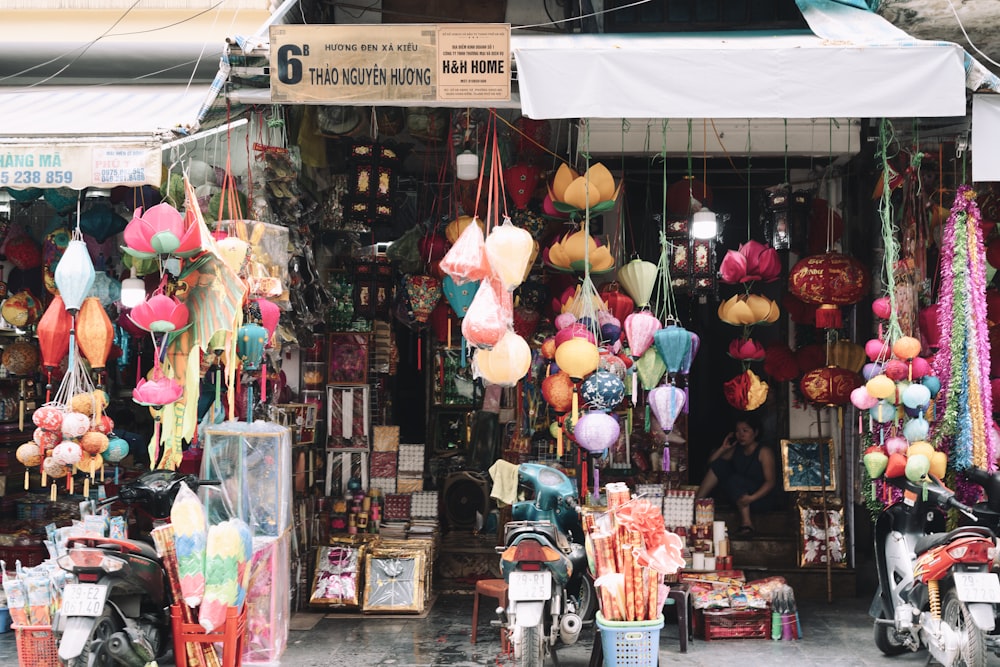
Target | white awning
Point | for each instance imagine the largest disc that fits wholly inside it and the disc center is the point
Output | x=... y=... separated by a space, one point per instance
x=744 y=76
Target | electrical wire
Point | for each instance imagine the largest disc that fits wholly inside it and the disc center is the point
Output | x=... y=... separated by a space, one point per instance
x=580 y=18
x=969 y=39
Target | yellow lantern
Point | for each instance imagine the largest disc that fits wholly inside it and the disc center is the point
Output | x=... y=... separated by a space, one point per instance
x=638 y=278
x=506 y=363
x=578 y=357
x=509 y=251
x=906 y=348
x=881 y=386
x=458 y=225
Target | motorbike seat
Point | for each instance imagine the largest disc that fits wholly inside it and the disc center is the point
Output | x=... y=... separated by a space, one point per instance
x=926 y=542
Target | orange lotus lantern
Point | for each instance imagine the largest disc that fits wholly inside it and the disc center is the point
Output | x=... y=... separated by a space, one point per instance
x=748 y=310
x=829 y=385
x=829 y=280
x=572 y=192
x=574 y=251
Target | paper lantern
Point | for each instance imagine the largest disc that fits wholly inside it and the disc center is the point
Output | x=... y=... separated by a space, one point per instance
x=602 y=390
x=640 y=329
x=748 y=310
x=22 y=250
x=423 y=293
x=117 y=450
x=525 y=322
x=650 y=368
x=829 y=385
x=46 y=439
x=250 y=342
x=486 y=322
x=106 y=289
x=577 y=251
x=829 y=280
x=161 y=230
x=29 y=454
x=876 y=349
x=906 y=348
x=881 y=386
x=506 y=363
x=862 y=400
x=917 y=467
x=75 y=424
x=509 y=251
x=883 y=412
x=637 y=278
x=20 y=358
x=896 y=369
x=578 y=357
x=160 y=314
x=916 y=396
x=157 y=392
x=916 y=429
x=459 y=296
x=780 y=363
x=929 y=327
x=455 y=228
x=74 y=275
x=53 y=468
x=673 y=342
x=595 y=431
x=575 y=330
x=896 y=445
x=466 y=259
x=21 y=309
x=687 y=195
x=48 y=417
x=847 y=355
x=666 y=403
x=557 y=390
x=94 y=333
x=882 y=307
x=619 y=304
x=875 y=462
x=101 y=222
x=93 y=442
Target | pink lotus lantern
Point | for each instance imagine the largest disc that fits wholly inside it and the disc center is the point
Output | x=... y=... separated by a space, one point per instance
x=160 y=314
x=666 y=403
x=639 y=330
x=753 y=261
x=157 y=392
x=596 y=431
x=161 y=230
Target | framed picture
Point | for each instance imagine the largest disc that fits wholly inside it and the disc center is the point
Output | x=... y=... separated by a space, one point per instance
x=394 y=581
x=809 y=464
x=454 y=384
x=348 y=358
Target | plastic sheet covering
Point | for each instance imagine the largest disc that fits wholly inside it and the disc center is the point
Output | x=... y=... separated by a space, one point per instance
x=338 y=576
x=394 y=581
x=268 y=602
x=254 y=464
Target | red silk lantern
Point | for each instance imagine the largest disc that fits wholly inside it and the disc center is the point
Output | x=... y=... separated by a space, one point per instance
x=929 y=328
x=53 y=333
x=829 y=280
x=94 y=332
x=619 y=304
x=557 y=390
x=780 y=363
x=829 y=385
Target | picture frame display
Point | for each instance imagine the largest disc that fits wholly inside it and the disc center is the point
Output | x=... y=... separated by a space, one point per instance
x=809 y=464
x=348 y=358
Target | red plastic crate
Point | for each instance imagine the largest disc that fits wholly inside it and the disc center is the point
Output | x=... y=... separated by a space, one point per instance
x=712 y=624
x=36 y=646
x=29 y=556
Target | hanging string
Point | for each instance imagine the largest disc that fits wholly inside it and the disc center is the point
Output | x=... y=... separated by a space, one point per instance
x=889 y=243
x=622 y=239
x=664 y=285
x=788 y=179
x=748 y=180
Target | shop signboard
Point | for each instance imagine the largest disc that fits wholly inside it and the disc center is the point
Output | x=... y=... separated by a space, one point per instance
x=410 y=64
x=45 y=164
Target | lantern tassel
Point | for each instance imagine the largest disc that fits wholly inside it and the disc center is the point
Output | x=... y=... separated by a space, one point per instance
x=559 y=443
x=576 y=405
x=53 y=492
x=27 y=480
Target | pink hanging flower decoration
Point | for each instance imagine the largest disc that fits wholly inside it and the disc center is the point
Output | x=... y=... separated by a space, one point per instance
x=752 y=262
x=157 y=392
x=160 y=314
x=161 y=230
x=746 y=350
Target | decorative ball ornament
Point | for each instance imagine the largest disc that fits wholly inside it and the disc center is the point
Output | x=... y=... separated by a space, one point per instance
x=29 y=454
x=829 y=280
x=602 y=390
x=830 y=385
x=595 y=431
x=75 y=424
x=53 y=468
x=578 y=357
x=48 y=417
x=557 y=390
x=876 y=348
x=882 y=307
x=21 y=310
x=67 y=452
x=20 y=358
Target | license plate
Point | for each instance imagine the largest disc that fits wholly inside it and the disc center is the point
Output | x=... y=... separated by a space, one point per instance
x=977 y=587
x=529 y=585
x=83 y=600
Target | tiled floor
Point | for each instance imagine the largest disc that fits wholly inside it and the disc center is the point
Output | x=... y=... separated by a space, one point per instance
x=835 y=635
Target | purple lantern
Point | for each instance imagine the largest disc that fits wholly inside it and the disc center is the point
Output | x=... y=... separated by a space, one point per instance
x=666 y=402
x=596 y=431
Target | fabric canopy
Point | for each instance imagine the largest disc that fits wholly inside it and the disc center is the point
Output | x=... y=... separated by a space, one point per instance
x=745 y=76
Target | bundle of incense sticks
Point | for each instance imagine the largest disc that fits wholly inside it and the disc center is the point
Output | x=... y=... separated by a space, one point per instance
x=198 y=655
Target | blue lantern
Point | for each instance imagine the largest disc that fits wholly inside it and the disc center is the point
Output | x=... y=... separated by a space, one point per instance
x=74 y=274
x=250 y=341
x=674 y=344
x=459 y=296
x=602 y=390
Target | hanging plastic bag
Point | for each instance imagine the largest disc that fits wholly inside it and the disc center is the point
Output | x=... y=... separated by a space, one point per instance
x=467 y=260
x=486 y=321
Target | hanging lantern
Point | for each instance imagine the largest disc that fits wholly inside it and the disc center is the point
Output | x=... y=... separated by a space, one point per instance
x=21 y=310
x=486 y=321
x=666 y=403
x=575 y=330
x=578 y=357
x=53 y=333
x=117 y=450
x=929 y=327
x=20 y=358
x=746 y=391
x=525 y=321
x=506 y=363
x=94 y=333
x=160 y=314
x=637 y=278
x=423 y=293
x=746 y=349
x=650 y=368
x=847 y=355
x=619 y=304
x=74 y=275
x=830 y=385
x=577 y=251
x=557 y=390
x=830 y=280
x=157 y=392
x=881 y=386
x=459 y=296
x=596 y=431
x=674 y=344
x=509 y=251
x=748 y=310
x=640 y=329
x=906 y=348
x=250 y=342
x=688 y=195
x=455 y=228
x=29 y=455
x=161 y=230
x=270 y=314
x=602 y=390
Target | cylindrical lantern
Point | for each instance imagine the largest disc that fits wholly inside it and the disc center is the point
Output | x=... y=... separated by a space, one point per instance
x=53 y=333
x=506 y=363
x=578 y=357
x=74 y=274
x=94 y=332
x=829 y=385
x=829 y=280
x=596 y=431
x=509 y=251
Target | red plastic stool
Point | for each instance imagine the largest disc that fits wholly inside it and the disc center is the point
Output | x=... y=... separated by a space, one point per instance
x=491 y=588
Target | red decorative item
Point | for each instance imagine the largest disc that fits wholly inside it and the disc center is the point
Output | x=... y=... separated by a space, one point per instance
x=521 y=181
x=798 y=310
x=829 y=281
x=896 y=370
x=433 y=247
x=752 y=262
x=829 y=385
x=746 y=350
x=439 y=319
x=160 y=314
x=466 y=260
x=810 y=357
x=557 y=390
x=882 y=307
x=679 y=196
x=533 y=138
x=619 y=303
x=53 y=334
x=22 y=251
x=929 y=328
x=525 y=322
x=780 y=363
x=896 y=466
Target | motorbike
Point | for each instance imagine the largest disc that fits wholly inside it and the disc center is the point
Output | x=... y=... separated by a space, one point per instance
x=936 y=589
x=116 y=604
x=550 y=594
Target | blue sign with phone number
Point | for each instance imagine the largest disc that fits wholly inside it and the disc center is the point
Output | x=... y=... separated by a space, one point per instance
x=35 y=177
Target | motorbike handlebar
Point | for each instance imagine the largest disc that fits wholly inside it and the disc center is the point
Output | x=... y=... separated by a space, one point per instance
x=961 y=507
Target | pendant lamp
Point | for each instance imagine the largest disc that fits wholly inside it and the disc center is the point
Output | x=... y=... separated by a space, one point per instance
x=637 y=278
x=74 y=275
x=704 y=225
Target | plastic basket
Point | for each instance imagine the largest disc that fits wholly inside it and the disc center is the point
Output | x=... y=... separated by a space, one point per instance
x=732 y=624
x=630 y=643
x=230 y=635
x=36 y=646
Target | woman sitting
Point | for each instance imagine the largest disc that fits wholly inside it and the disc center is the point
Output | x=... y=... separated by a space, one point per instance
x=746 y=472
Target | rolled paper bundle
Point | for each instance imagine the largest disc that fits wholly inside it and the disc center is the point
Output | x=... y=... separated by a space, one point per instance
x=190 y=536
x=222 y=555
x=625 y=553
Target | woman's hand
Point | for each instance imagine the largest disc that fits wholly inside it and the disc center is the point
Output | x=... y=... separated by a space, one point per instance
x=744 y=500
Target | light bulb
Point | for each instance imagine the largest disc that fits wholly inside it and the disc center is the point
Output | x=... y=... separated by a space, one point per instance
x=704 y=225
x=133 y=290
x=467 y=166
